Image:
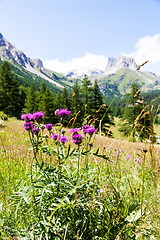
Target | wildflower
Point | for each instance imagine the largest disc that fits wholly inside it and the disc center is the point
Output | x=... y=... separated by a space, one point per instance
x=77 y=138
x=28 y=126
x=62 y=113
x=27 y=117
x=35 y=130
x=63 y=139
x=55 y=136
x=122 y=151
x=128 y=156
x=84 y=128
x=74 y=130
x=49 y=126
x=38 y=116
x=89 y=130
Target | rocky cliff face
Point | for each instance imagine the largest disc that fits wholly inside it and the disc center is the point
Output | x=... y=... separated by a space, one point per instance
x=7 y=50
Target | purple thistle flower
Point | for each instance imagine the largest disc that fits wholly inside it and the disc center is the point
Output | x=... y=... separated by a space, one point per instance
x=63 y=139
x=49 y=126
x=27 y=117
x=62 y=112
x=128 y=156
x=28 y=126
x=35 y=130
x=55 y=136
x=89 y=130
x=84 y=128
x=38 y=116
x=77 y=138
x=74 y=130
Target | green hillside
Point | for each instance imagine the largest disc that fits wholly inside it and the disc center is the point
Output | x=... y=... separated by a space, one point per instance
x=28 y=79
x=124 y=78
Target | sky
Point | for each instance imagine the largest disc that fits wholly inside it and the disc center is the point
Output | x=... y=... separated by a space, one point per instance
x=73 y=34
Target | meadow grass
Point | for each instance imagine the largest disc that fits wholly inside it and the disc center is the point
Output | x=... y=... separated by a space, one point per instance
x=116 y=179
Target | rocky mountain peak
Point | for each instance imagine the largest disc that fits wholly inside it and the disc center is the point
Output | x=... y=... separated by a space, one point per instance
x=114 y=64
x=7 y=50
x=37 y=63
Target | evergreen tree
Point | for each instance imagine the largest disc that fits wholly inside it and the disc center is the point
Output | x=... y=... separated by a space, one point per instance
x=58 y=100
x=10 y=98
x=31 y=101
x=47 y=106
x=97 y=99
x=76 y=105
x=86 y=96
x=96 y=109
x=136 y=117
x=65 y=99
x=102 y=114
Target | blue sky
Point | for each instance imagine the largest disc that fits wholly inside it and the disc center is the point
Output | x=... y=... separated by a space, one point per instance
x=68 y=34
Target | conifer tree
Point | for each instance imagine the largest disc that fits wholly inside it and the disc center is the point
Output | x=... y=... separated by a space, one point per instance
x=135 y=123
x=46 y=104
x=65 y=99
x=58 y=100
x=31 y=101
x=76 y=105
x=100 y=110
x=97 y=99
x=86 y=96
x=10 y=98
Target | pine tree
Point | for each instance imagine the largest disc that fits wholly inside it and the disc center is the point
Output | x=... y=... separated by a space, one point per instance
x=97 y=99
x=65 y=99
x=136 y=117
x=10 y=98
x=46 y=104
x=31 y=101
x=101 y=111
x=58 y=100
x=76 y=105
x=86 y=96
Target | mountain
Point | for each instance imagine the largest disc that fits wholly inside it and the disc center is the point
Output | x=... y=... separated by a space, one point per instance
x=80 y=73
x=118 y=76
x=35 y=66
x=115 y=64
x=124 y=77
x=116 y=79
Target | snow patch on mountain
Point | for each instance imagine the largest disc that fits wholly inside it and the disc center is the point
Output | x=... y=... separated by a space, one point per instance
x=34 y=71
x=80 y=73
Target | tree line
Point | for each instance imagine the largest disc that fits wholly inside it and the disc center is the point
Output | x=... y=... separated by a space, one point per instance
x=85 y=102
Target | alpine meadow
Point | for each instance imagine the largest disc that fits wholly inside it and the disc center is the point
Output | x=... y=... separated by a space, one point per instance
x=80 y=156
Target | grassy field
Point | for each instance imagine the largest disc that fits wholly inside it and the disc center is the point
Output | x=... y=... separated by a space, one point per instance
x=126 y=175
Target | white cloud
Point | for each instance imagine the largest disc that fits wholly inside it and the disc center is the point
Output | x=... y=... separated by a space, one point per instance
x=148 y=48
x=87 y=61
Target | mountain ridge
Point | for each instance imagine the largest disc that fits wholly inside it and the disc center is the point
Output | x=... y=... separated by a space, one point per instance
x=118 y=75
x=35 y=66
